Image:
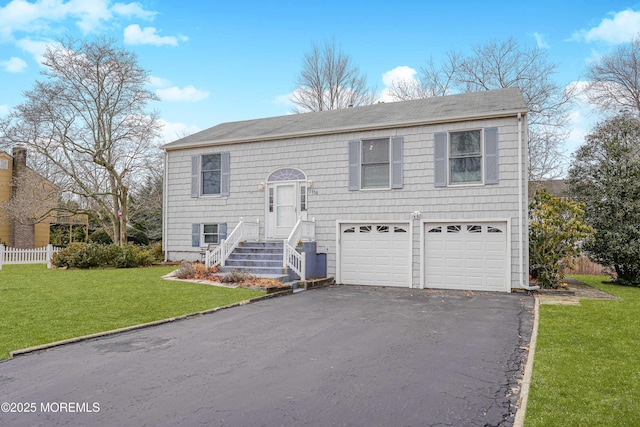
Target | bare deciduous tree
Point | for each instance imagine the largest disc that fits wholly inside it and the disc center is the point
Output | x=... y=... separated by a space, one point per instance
x=329 y=81
x=433 y=81
x=87 y=120
x=614 y=80
x=496 y=65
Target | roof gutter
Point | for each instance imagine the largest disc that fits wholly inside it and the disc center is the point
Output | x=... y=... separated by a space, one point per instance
x=360 y=128
x=524 y=275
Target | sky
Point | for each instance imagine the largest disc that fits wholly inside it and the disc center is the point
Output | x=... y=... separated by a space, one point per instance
x=218 y=61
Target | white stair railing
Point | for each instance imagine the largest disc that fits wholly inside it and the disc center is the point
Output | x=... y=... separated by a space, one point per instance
x=242 y=232
x=303 y=230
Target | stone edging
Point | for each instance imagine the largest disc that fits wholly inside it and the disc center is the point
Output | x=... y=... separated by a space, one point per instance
x=528 y=369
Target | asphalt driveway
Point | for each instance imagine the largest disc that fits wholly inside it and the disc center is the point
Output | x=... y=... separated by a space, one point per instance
x=336 y=356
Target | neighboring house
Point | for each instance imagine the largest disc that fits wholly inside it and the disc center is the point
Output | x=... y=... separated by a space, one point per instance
x=35 y=196
x=428 y=193
x=556 y=187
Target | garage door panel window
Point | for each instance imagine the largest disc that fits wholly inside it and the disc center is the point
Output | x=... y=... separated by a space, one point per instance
x=474 y=228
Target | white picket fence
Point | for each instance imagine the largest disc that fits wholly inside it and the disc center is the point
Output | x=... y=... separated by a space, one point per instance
x=41 y=255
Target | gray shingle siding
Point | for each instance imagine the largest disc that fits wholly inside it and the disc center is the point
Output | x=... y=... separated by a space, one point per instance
x=324 y=159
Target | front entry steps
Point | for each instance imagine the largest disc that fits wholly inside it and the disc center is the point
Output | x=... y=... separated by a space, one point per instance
x=260 y=259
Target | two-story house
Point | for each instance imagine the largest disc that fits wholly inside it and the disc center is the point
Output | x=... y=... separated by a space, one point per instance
x=29 y=227
x=428 y=193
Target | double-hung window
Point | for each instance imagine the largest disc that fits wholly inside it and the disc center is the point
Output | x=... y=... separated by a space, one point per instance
x=209 y=233
x=210 y=174
x=466 y=157
x=375 y=163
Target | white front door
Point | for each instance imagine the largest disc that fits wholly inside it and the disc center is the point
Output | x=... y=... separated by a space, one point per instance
x=283 y=209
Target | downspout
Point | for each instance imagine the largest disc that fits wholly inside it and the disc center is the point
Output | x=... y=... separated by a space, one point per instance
x=164 y=205
x=523 y=279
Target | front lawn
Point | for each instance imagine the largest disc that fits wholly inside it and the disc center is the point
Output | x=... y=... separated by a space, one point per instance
x=587 y=361
x=39 y=306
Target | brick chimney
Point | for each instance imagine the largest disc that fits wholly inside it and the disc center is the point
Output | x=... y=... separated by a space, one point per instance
x=22 y=231
x=19 y=159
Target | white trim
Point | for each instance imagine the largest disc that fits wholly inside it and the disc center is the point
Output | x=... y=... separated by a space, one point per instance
x=165 y=208
x=289 y=180
x=482 y=156
x=203 y=244
x=340 y=222
x=423 y=248
x=389 y=162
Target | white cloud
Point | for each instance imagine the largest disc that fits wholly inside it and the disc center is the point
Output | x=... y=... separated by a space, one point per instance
x=620 y=27
x=39 y=16
x=159 y=81
x=4 y=110
x=133 y=34
x=35 y=48
x=187 y=93
x=133 y=10
x=398 y=74
x=172 y=131
x=14 y=65
x=540 y=41
x=284 y=100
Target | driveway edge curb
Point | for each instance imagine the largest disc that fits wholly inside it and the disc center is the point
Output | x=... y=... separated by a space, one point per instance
x=528 y=369
x=54 y=344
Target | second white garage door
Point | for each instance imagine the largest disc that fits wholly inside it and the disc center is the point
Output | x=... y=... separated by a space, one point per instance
x=470 y=256
x=375 y=254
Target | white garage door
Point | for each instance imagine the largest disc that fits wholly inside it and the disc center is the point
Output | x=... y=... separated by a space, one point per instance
x=375 y=254
x=469 y=256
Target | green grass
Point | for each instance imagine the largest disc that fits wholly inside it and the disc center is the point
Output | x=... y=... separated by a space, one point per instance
x=39 y=306
x=587 y=362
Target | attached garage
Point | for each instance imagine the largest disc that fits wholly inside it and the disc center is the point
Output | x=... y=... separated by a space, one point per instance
x=377 y=254
x=467 y=255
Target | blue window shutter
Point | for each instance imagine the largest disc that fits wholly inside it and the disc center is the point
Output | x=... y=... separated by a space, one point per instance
x=491 y=156
x=195 y=235
x=225 y=160
x=222 y=231
x=396 y=162
x=354 y=165
x=440 y=159
x=195 y=176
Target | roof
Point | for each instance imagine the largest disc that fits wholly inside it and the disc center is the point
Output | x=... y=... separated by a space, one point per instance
x=488 y=104
x=556 y=187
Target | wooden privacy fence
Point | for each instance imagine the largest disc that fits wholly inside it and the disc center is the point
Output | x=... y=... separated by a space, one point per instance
x=583 y=265
x=41 y=255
